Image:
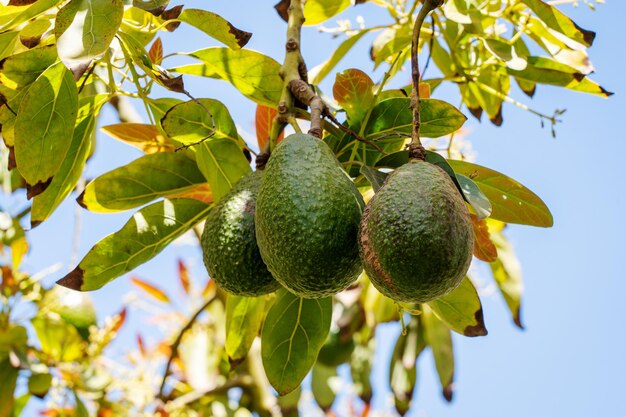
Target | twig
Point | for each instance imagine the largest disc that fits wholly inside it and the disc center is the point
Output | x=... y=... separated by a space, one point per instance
x=416 y=150
x=351 y=132
x=175 y=345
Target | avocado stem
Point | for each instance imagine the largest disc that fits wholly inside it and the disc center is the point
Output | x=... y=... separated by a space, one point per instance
x=416 y=150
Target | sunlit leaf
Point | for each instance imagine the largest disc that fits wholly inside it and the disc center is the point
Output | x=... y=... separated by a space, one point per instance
x=320 y=72
x=183 y=276
x=145 y=137
x=150 y=289
x=216 y=27
x=145 y=179
x=484 y=249
x=85 y=28
x=156 y=51
x=44 y=126
x=353 y=91
x=389 y=42
x=59 y=339
x=511 y=201
x=7 y=43
x=319 y=11
x=461 y=310
x=244 y=316
x=28 y=13
x=293 y=333
x=264 y=117
x=146 y=234
x=556 y=20
x=255 y=75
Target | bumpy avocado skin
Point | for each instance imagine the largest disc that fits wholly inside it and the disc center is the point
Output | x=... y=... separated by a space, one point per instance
x=416 y=238
x=231 y=254
x=307 y=218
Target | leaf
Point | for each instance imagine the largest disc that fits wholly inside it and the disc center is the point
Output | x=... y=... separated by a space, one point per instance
x=353 y=91
x=322 y=380
x=200 y=192
x=141 y=181
x=33 y=10
x=156 y=51
x=84 y=29
x=389 y=42
x=559 y=22
x=216 y=27
x=183 y=277
x=320 y=72
x=59 y=340
x=44 y=126
x=402 y=367
x=461 y=310
x=439 y=339
x=81 y=410
x=219 y=153
x=510 y=200
x=146 y=234
x=31 y=34
x=479 y=202
x=153 y=6
x=264 y=117
x=438 y=118
x=361 y=369
x=145 y=137
x=484 y=249
x=293 y=333
x=508 y=275
x=7 y=43
x=255 y=75
x=19 y=404
x=375 y=177
x=8 y=382
x=150 y=289
x=244 y=317
x=505 y=52
x=319 y=11
x=72 y=166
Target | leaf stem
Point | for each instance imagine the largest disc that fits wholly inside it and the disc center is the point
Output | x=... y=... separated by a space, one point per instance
x=416 y=150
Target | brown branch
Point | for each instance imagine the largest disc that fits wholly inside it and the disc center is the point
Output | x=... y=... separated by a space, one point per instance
x=416 y=150
x=176 y=344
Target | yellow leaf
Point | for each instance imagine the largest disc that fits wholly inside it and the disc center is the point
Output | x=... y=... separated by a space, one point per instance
x=151 y=290
x=143 y=136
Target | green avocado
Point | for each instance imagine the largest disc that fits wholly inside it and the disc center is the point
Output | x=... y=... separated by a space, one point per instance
x=307 y=218
x=229 y=247
x=416 y=237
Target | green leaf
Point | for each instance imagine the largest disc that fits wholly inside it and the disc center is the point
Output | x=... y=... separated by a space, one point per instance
x=508 y=275
x=320 y=72
x=439 y=339
x=146 y=234
x=44 y=126
x=59 y=340
x=84 y=29
x=145 y=179
x=7 y=43
x=151 y=5
x=255 y=75
x=72 y=166
x=22 y=69
x=8 y=382
x=374 y=176
x=361 y=369
x=511 y=201
x=244 y=317
x=353 y=91
x=216 y=27
x=472 y=193
x=19 y=405
x=389 y=42
x=318 y=11
x=219 y=152
x=438 y=118
x=293 y=334
x=557 y=21
x=402 y=368
x=81 y=409
x=461 y=310
x=505 y=52
x=322 y=381
x=31 y=11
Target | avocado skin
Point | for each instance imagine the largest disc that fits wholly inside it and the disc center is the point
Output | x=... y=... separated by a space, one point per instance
x=416 y=237
x=231 y=254
x=308 y=214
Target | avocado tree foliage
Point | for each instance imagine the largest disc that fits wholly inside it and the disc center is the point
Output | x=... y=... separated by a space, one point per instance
x=63 y=61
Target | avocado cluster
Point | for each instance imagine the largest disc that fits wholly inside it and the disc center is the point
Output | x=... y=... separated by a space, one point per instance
x=302 y=224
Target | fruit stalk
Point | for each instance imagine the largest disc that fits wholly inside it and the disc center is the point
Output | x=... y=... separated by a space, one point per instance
x=416 y=150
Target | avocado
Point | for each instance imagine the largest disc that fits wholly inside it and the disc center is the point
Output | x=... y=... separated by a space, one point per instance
x=229 y=248
x=307 y=218
x=416 y=237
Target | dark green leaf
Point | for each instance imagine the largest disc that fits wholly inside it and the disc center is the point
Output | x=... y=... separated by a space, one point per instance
x=322 y=380
x=72 y=166
x=255 y=75
x=374 y=176
x=293 y=333
x=44 y=126
x=439 y=339
x=244 y=316
x=557 y=21
x=216 y=27
x=461 y=310
x=147 y=178
x=510 y=200
x=84 y=29
x=146 y=234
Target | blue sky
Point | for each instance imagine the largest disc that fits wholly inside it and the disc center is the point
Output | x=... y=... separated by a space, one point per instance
x=570 y=359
